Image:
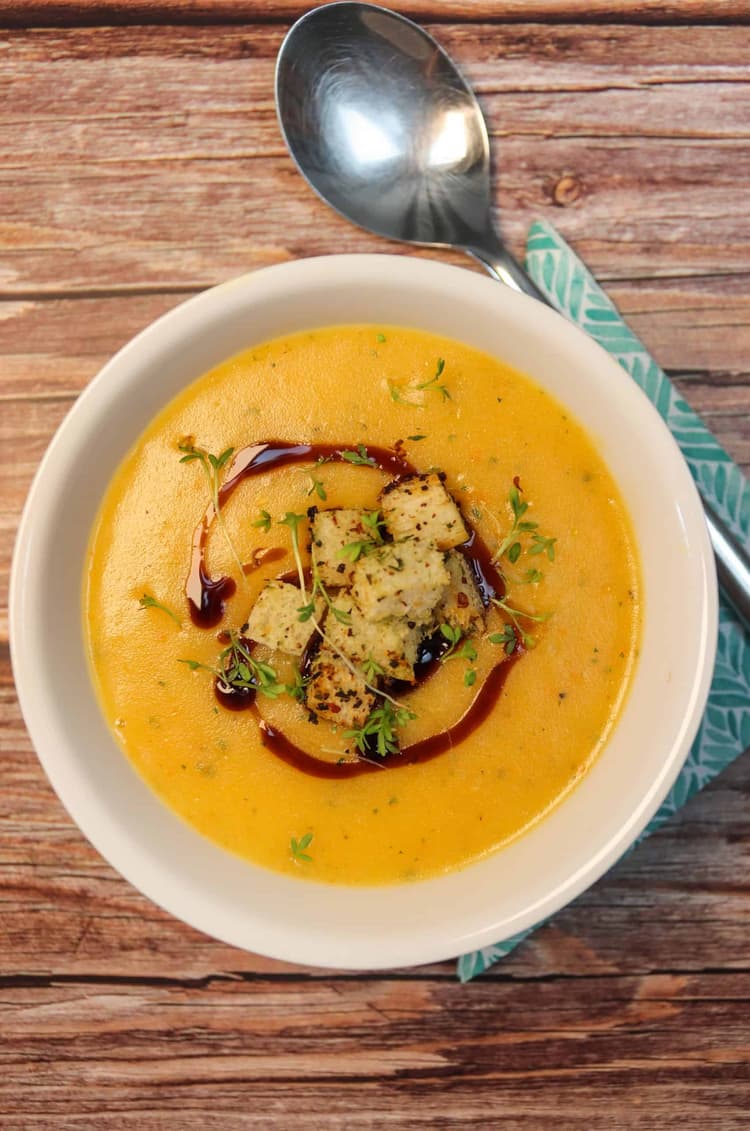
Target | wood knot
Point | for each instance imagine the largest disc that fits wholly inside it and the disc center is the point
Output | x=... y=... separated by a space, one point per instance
x=567 y=190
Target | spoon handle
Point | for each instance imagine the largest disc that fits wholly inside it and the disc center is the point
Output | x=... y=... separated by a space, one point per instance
x=732 y=561
x=495 y=258
x=732 y=565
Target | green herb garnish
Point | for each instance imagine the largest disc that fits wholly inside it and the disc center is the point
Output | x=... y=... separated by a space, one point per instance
x=372 y=669
x=433 y=381
x=147 y=602
x=516 y=616
x=542 y=545
x=296 y=690
x=372 y=521
x=510 y=543
x=454 y=636
x=467 y=651
x=432 y=385
x=237 y=669
x=297 y=847
x=264 y=522
x=212 y=467
x=379 y=731
x=359 y=458
x=317 y=488
x=507 y=638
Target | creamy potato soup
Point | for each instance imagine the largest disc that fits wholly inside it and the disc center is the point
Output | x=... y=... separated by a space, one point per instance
x=362 y=604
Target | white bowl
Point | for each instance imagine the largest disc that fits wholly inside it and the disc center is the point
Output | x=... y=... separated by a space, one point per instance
x=300 y=920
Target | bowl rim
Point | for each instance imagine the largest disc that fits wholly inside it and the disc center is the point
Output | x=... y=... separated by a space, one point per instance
x=81 y=802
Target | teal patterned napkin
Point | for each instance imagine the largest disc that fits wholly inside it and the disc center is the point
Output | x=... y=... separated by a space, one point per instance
x=724 y=732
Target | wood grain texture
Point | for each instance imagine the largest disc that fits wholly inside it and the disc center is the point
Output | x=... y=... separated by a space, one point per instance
x=31 y=13
x=139 y=164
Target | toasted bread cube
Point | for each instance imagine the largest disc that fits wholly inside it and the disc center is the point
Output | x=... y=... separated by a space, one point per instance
x=335 y=693
x=461 y=607
x=419 y=506
x=331 y=531
x=389 y=644
x=274 y=618
x=403 y=580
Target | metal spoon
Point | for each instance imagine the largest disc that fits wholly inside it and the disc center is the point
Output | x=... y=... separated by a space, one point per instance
x=384 y=128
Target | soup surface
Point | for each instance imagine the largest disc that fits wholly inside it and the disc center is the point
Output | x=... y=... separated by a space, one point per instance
x=508 y=717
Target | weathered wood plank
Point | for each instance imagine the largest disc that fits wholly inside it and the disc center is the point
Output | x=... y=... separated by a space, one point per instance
x=31 y=13
x=376 y=1053
x=496 y=57
x=632 y=140
x=54 y=346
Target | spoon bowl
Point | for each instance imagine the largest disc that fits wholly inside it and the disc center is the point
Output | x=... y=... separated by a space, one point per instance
x=384 y=128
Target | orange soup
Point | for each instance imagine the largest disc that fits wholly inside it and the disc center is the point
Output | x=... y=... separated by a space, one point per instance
x=203 y=593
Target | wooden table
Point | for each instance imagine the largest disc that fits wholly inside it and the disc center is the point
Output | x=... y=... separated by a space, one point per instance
x=140 y=161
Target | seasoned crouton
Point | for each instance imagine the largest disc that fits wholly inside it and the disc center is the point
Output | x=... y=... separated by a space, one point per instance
x=331 y=531
x=419 y=506
x=335 y=693
x=391 y=645
x=405 y=580
x=274 y=618
x=461 y=607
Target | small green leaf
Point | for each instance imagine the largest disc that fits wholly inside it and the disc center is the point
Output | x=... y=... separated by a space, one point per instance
x=359 y=457
x=318 y=488
x=147 y=602
x=298 y=847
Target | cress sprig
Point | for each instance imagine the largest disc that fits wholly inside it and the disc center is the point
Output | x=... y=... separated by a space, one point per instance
x=517 y=616
x=433 y=384
x=380 y=729
x=212 y=467
x=148 y=602
x=467 y=651
x=353 y=551
x=297 y=848
x=511 y=546
x=236 y=668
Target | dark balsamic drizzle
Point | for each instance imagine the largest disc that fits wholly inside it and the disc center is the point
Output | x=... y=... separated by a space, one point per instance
x=488 y=578
x=234 y=698
x=206 y=598
x=422 y=751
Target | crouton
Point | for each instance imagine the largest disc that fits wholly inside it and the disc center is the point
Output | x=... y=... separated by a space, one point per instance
x=419 y=506
x=331 y=531
x=390 y=645
x=335 y=693
x=274 y=618
x=405 y=579
x=461 y=607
